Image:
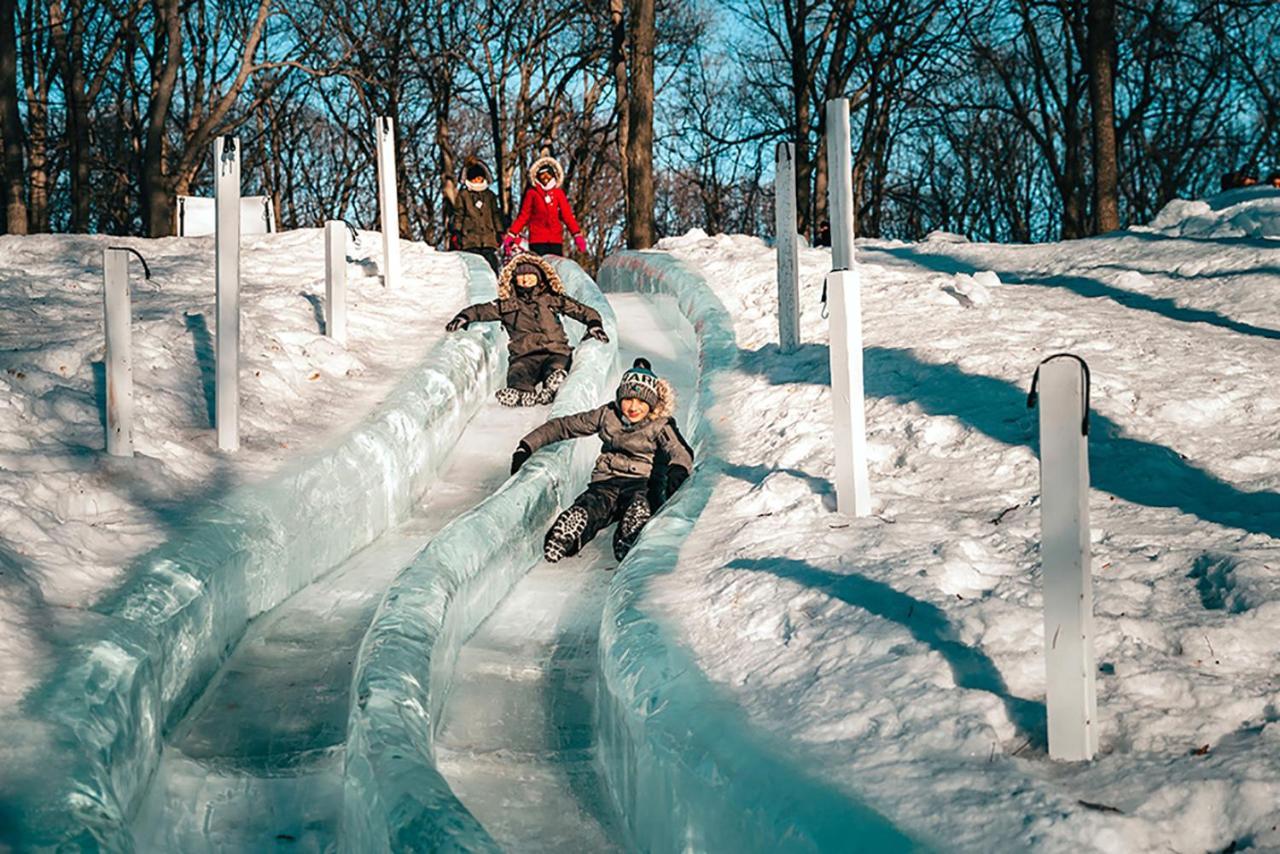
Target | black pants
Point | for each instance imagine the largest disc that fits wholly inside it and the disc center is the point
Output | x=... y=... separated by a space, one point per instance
x=525 y=372
x=547 y=248
x=605 y=501
x=488 y=253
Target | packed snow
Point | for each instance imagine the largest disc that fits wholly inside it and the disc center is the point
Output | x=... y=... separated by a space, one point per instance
x=900 y=657
x=71 y=518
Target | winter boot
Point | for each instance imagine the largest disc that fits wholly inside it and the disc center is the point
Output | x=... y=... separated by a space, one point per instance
x=633 y=520
x=564 y=538
x=508 y=396
x=551 y=385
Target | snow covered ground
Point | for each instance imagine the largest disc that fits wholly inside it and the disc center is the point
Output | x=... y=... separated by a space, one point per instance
x=900 y=657
x=71 y=518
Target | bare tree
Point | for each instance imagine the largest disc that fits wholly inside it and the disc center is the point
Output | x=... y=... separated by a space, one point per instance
x=1101 y=69
x=12 y=166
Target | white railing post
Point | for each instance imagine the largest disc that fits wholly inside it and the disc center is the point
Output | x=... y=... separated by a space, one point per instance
x=388 y=207
x=335 y=280
x=840 y=184
x=1070 y=695
x=788 y=245
x=226 y=163
x=853 y=486
x=119 y=358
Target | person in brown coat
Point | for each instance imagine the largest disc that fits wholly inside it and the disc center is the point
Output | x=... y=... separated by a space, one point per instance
x=477 y=217
x=636 y=427
x=530 y=300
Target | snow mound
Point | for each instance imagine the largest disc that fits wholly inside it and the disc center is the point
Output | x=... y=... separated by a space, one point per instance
x=1248 y=212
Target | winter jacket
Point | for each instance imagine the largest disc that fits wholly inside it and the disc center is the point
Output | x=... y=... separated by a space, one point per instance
x=545 y=212
x=532 y=323
x=478 y=219
x=628 y=449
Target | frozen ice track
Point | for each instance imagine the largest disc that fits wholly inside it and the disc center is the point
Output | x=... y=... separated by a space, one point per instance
x=517 y=735
x=257 y=763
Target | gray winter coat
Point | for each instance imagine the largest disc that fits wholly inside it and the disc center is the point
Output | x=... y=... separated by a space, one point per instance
x=628 y=448
x=533 y=325
x=478 y=219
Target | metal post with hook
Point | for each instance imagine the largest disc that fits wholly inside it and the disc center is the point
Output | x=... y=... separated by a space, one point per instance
x=1061 y=384
x=388 y=207
x=335 y=280
x=117 y=321
x=226 y=163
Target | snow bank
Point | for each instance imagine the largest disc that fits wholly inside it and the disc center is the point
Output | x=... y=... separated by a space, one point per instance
x=1246 y=212
x=394 y=797
x=685 y=769
x=132 y=665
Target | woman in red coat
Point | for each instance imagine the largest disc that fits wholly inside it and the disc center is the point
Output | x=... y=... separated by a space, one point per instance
x=545 y=212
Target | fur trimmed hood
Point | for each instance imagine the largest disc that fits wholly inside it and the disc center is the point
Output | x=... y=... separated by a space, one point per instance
x=472 y=161
x=546 y=161
x=666 y=407
x=550 y=278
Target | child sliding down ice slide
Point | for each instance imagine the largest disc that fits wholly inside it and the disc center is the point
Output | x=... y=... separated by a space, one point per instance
x=539 y=353
x=626 y=485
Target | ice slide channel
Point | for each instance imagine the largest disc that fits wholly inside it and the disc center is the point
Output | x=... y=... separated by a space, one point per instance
x=135 y=662
x=256 y=765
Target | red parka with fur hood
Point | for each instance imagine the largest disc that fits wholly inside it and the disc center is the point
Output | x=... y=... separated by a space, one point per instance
x=544 y=211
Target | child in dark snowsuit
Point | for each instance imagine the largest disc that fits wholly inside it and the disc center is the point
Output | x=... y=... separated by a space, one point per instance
x=530 y=299
x=545 y=211
x=477 y=217
x=626 y=484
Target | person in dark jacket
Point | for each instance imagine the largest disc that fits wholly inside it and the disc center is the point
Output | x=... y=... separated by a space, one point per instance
x=635 y=427
x=545 y=211
x=477 y=217
x=530 y=300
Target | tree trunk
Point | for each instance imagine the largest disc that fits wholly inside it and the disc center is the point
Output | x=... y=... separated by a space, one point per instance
x=15 y=207
x=1100 y=65
x=618 y=61
x=641 y=227
x=157 y=187
x=68 y=42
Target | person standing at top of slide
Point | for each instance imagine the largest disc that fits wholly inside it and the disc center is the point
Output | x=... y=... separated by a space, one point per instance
x=545 y=212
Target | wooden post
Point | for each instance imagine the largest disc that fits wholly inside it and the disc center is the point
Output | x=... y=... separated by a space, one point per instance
x=840 y=184
x=788 y=245
x=1071 y=697
x=226 y=162
x=119 y=358
x=388 y=207
x=335 y=282
x=853 y=486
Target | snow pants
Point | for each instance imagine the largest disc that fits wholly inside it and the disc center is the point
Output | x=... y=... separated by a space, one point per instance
x=547 y=248
x=606 y=502
x=525 y=372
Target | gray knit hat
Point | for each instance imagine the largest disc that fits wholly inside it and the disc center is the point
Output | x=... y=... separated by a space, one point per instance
x=639 y=382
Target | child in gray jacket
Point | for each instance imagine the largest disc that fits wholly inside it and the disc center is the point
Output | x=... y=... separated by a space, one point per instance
x=635 y=427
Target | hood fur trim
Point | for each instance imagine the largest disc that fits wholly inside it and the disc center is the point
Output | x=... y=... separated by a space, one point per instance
x=472 y=160
x=546 y=161
x=666 y=406
x=507 y=288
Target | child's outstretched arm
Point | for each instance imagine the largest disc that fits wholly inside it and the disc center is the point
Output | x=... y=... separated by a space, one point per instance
x=573 y=426
x=584 y=314
x=679 y=456
x=478 y=313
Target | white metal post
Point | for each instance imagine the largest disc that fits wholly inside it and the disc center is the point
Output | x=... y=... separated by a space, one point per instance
x=788 y=244
x=1065 y=564
x=853 y=487
x=335 y=281
x=840 y=184
x=388 y=208
x=226 y=162
x=119 y=358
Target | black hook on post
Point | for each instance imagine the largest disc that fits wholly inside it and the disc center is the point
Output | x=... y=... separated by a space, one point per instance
x=1032 y=396
x=146 y=271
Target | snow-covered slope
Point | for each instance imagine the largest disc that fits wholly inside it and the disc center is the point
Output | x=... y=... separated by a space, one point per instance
x=901 y=656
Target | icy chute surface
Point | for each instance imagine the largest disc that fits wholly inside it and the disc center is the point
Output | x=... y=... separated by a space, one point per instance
x=134 y=663
x=681 y=761
x=394 y=797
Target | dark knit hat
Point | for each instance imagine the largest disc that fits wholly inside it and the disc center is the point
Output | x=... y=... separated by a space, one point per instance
x=639 y=382
x=525 y=268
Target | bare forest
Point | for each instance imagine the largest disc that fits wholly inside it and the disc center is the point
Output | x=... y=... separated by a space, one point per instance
x=1012 y=121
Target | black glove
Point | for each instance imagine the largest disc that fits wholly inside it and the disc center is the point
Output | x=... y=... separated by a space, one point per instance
x=518 y=458
x=676 y=475
x=457 y=323
x=598 y=333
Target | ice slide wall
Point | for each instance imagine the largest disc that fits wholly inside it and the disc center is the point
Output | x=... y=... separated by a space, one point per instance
x=685 y=769
x=394 y=798
x=140 y=657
